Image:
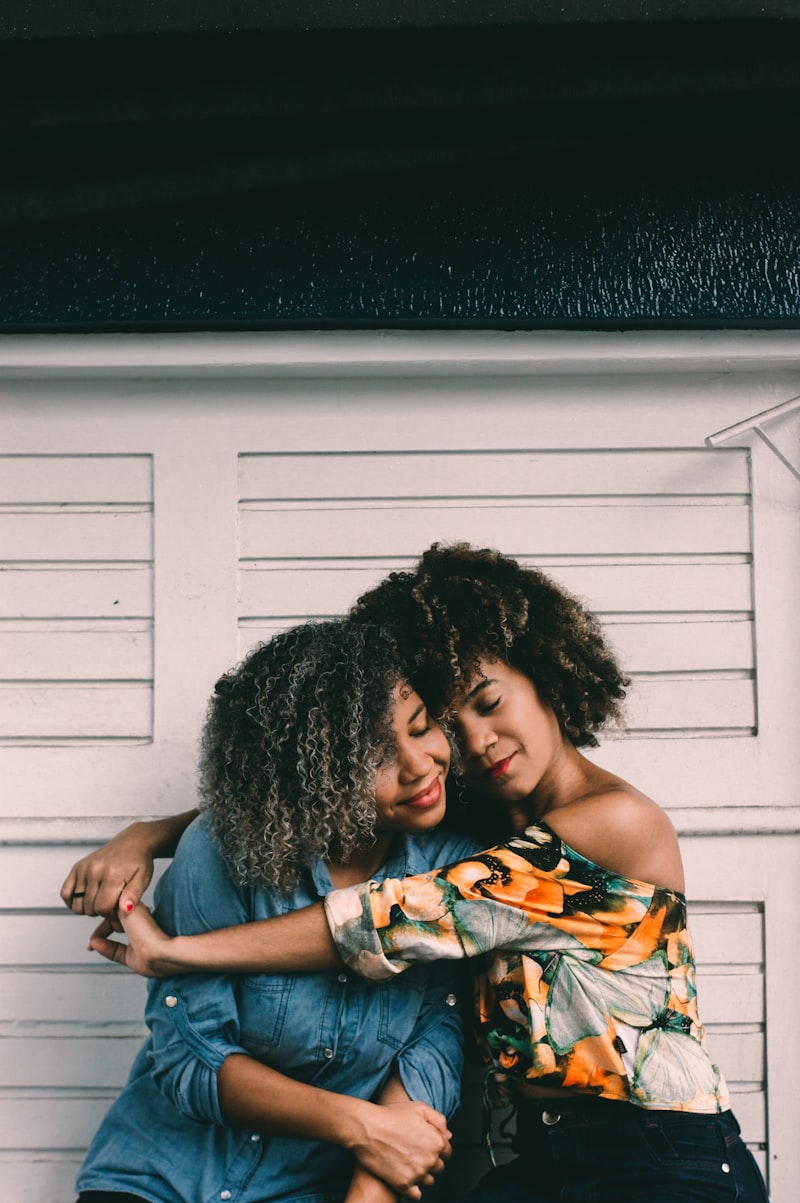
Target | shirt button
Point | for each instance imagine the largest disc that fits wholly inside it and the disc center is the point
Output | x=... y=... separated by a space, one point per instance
x=451 y=1000
x=225 y=1194
x=550 y=1118
x=342 y=978
x=171 y=1000
x=255 y=1138
x=327 y=1054
x=726 y=1169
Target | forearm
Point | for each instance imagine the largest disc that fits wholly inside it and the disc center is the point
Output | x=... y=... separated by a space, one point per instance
x=402 y=1145
x=161 y=836
x=368 y=1188
x=298 y=942
x=258 y=1098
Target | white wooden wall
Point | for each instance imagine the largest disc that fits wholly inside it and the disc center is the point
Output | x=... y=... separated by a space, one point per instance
x=168 y=501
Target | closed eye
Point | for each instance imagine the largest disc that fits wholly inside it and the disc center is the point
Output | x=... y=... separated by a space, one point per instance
x=422 y=730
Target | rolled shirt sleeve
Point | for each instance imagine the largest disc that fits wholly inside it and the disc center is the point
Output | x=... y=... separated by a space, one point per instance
x=194 y=1020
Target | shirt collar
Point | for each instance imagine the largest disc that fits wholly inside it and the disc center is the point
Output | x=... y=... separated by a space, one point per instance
x=405 y=859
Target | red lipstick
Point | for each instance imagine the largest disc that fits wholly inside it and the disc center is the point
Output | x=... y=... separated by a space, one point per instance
x=500 y=766
x=428 y=796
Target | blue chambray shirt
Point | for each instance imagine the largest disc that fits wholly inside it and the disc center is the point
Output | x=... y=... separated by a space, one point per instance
x=165 y=1139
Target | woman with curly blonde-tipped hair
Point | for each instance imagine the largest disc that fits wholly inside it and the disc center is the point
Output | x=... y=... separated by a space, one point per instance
x=319 y=768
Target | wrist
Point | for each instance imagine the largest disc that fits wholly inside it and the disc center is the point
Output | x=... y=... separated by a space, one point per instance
x=175 y=956
x=351 y=1123
x=149 y=835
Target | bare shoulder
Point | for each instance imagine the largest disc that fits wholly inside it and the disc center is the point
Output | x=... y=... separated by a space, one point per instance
x=623 y=830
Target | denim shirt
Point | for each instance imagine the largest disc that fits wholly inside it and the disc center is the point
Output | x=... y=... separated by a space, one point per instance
x=165 y=1138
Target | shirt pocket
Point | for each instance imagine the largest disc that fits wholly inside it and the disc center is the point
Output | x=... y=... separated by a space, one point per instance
x=399 y=1001
x=264 y=1003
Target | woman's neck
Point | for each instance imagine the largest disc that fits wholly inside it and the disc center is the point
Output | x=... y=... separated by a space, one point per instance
x=362 y=863
x=571 y=776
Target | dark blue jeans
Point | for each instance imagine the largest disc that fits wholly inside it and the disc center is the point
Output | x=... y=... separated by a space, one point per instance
x=599 y=1151
x=105 y=1196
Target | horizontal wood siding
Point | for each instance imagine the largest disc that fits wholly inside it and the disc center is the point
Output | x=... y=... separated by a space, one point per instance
x=657 y=542
x=76 y=607
x=153 y=526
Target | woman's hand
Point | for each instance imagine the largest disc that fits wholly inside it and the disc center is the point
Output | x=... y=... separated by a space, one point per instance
x=116 y=876
x=149 y=951
x=405 y=1145
x=96 y=883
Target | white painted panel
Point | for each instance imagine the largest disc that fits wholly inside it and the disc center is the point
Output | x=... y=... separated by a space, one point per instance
x=331 y=587
x=67 y=535
x=492 y=473
x=731 y=997
x=728 y=937
x=47 y=997
x=51 y=1123
x=46 y=939
x=658 y=587
x=725 y=867
x=531 y=529
x=739 y=1054
x=75 y=711
x=94 y=1058
x=106 y=654
x=784 y=438
x=47 y=1178
x=65 y=479
x=690 y=704
x=682 y=646
x=124 y=591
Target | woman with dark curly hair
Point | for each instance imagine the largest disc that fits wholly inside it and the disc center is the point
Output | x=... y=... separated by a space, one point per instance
x=586 y=1004
x=318 y=765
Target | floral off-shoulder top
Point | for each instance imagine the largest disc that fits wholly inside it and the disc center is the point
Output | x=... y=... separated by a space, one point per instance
x=586 y=979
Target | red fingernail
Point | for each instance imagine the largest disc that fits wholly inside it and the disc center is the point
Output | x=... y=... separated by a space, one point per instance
x=128 y=906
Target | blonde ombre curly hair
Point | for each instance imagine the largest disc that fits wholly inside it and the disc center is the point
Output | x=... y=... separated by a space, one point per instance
x=291 y=747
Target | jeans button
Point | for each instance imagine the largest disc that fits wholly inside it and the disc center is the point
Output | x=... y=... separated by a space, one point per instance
x=550 y=1118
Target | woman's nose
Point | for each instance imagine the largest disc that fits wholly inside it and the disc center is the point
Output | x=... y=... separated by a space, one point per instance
x=415 y=761
x=475 y=737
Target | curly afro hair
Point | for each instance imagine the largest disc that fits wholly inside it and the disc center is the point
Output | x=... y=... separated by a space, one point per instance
x=291 y=747
x=463 y=604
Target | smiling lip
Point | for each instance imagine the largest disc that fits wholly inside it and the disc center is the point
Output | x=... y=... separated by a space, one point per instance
x=427 y=797
x=500 y=767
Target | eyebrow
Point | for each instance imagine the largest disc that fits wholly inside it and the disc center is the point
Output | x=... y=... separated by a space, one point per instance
x=483 y=684
x=416 y=713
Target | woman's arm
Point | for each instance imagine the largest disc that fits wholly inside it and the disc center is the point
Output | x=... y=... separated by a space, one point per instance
x=298 y=942
x=117 y=875
x=366 y=1187
x=402 y=1145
